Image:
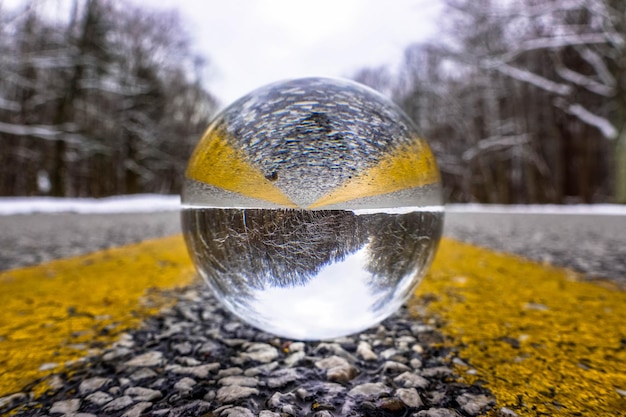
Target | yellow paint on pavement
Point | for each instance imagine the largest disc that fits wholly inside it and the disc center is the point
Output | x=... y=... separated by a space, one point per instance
x=216 y=162
x=408 y=167
x=542 y=341
x=539 y=339
x=53 y=313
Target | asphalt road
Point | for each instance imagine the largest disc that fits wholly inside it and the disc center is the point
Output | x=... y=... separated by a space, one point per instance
x=466 y=281
x=593 y=244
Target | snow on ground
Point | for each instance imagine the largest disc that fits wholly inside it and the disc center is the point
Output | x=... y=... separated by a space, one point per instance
x=138 y=203
x=606 y=209
x=146 y=203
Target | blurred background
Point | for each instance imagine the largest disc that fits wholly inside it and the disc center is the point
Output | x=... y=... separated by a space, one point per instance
x=522 y=101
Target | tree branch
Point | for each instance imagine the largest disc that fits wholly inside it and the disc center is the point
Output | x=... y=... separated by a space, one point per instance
x=529 y=77
x=585 y=82
x=607 y=128
x=493 y=143
x=46 y=132
x=598 y=65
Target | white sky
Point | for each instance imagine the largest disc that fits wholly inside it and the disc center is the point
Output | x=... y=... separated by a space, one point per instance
x=254 y=42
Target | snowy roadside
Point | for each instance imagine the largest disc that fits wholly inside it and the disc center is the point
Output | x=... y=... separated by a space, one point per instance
x=137 y=203
x=596 y=209
x=150 y=203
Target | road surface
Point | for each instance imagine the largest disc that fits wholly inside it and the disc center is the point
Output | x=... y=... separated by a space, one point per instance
x=593 y=244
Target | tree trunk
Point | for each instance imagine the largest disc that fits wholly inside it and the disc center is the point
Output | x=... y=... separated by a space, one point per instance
x=57 y=179
x=620 y=168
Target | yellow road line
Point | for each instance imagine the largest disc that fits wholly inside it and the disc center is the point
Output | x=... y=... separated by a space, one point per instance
x=408 y=167
x=216 y=162
x=53 y=312
x=542 y=341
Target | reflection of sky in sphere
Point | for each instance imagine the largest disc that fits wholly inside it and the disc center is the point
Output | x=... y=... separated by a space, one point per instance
x=338 y=295
x=313 y=134
x=313 y=143
x=312 y=274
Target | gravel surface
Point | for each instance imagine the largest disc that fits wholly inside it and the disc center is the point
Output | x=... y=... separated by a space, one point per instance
x=195 y=359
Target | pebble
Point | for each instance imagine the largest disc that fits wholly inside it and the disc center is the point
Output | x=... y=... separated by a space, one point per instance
x=116 y=353
x=282 y=377
x=261 y=352
x=266 y=413
x=187 y=361
x=437 y=412
x=261 y=369
x=99 y=398
x=200 y=371
x=337 y=368
x=297 y=347
x=388 y=353
x=65 y=406
x=364 y=350
x=147 y=359
x=143 y=373
x=92 y=384
x=392 y=367
x=335 y=348
x=294 y=358
x=507 y=412
x=237 y=412
x=9 y=400
x=474 y=404
x=118 y=404
x=195 y=359
x=410 y=397
x=243 y=381
x=138 y=409
x=229 y=372
x=411 y=380
x=332 y=362
x=369 y=390
x=415 y=363
x=143 y=394
x=185 y=384
x=48 y=366
x=341 y=373
x=438 y=371
x=232 y=393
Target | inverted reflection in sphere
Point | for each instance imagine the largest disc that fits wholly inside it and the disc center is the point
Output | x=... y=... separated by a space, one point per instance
x=312 y=208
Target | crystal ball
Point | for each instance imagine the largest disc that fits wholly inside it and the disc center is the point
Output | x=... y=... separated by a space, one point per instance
x=312 y=208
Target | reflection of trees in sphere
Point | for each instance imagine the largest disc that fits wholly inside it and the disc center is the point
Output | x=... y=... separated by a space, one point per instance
x=312 y=207
x=282 y=247
x=309 y=139
x=244 y=249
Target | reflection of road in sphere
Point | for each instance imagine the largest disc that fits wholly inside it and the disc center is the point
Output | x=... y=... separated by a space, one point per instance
x=312 y=208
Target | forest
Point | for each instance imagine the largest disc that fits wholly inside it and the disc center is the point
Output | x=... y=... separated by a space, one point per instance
x=522 y=101
x=110 y=102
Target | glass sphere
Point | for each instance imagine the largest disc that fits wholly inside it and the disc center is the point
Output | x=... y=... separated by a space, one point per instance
x=312 y=208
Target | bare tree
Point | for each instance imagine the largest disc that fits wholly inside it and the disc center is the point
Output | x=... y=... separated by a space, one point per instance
x=523 y=101
x=109 y=101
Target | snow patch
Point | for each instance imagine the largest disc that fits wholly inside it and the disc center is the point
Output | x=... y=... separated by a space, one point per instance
x=148 y=203
x=138 y=203
x=604 y=209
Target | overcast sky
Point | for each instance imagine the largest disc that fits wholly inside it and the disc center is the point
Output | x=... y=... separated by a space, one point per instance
x=253 y=42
